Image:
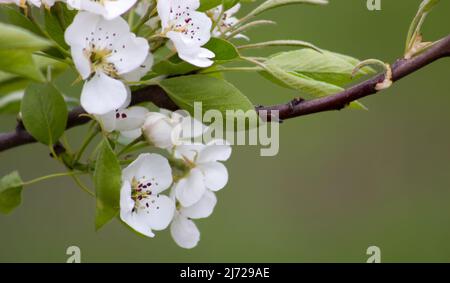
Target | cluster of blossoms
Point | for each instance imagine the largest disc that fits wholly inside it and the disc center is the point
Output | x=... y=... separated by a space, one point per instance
x=109 y=57
x=192 y=172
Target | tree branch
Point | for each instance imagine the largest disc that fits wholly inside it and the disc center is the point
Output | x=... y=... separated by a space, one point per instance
x=295 y=108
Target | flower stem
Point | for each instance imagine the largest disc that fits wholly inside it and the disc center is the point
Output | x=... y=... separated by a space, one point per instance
x=85 y=144
x=129 y=146
x=51 y=176
x=82 y=186
x=148 y=14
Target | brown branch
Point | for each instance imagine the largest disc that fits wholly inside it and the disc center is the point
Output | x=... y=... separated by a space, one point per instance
x=295 y=108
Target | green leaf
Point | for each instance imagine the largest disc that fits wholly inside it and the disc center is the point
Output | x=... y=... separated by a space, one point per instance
x=167 y=67
x=223 y=49
x=11 y=94
x=107 y=181
x=214 y=93
x=15 y=17
x=228 y=4
x=54 y=29
x=16 y=38
x=306 y=85
x=20 y=63
x=10 y=192
x=312 y=73
x=323 y=66
x=206 y=5
x=271 y=4
x=44 y=113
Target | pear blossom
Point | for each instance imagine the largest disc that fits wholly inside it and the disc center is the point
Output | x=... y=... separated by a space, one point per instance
x=127 y=121
x=206 y=172
x=167 y=129
x=183 y=230
x=110 y=9
x=188 y=30
x=37 y=3
x=142 y=206
x=104 y=52
x=226 y=20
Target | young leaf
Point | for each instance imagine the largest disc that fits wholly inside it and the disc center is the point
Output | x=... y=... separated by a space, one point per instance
x=20 y=63
x=206 y=5
x=16 y=38
x=15 y=17
x=214 y=93
x=10 y=192
x=224 y=50
x=44 y=113
x=107 y=181
x=323 y=66
x=54 y=29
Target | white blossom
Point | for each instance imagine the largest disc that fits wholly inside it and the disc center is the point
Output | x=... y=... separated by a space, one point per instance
x=168 y=129
x=127 y=121
x=226 y=20
x=104 y=52
x=183 y=230
x=142 y=206
x=206 y=172
x=37 y=3
x=110 y=9
x=188 y=30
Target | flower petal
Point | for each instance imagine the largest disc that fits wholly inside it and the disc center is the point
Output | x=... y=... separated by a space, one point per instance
x=160 y=211
x=190 y=189
x=131 y=118
x=152 y=167
x=216 y=150
x=141 y=71
x=216 y=175
x=203 y=208
x=103 y=94
x=184 y=232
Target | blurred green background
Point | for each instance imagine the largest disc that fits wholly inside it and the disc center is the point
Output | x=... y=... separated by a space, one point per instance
x=342 y=181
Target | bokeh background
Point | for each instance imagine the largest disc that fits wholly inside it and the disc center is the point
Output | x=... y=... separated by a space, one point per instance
x=342 y=181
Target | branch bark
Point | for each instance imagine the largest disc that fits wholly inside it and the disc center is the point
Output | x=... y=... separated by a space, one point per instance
x=294 y=108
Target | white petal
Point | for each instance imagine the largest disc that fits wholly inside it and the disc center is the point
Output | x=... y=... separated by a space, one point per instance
x=107 y=121
x=158 y=130
x=152 y=167
x=141 y=71
x=184 y=232
x=128 y=136
x=137 y=222
x=160 y=211
x=81 y=61
x=114 y=8
x=196 y=28
x=216 y=150
x=190 y=189
x=188 y=151
x=81 y=28
x=102 y=94
x=191 y=53
x=215 y=174
x=126 y=202
x=134 y=220
x=203 y=208
x=131 y=53
x=130 y=119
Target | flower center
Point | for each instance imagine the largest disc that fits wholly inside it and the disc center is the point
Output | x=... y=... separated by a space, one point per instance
x=140 y=193
x=99 y=60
